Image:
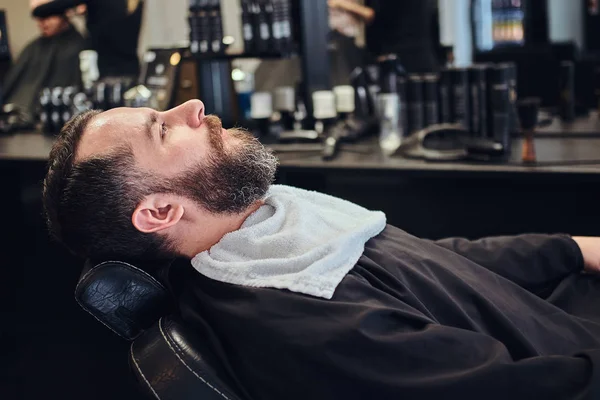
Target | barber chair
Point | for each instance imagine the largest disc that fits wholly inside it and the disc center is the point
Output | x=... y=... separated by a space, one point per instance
x=168 y=360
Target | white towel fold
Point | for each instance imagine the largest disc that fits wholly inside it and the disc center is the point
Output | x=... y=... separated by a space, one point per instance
x=298 y=240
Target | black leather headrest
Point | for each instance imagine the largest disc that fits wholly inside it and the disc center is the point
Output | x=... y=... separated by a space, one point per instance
x=123 y=297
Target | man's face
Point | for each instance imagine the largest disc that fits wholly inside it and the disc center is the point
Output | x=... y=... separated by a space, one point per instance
x=188 y=151
x=49 y=26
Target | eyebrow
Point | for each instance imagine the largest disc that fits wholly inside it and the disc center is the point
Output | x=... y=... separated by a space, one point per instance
x=152 y=119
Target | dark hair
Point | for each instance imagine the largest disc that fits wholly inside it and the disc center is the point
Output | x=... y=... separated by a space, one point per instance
x=89 y=204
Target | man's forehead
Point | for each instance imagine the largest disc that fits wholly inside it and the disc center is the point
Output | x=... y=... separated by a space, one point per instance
x=109 y=130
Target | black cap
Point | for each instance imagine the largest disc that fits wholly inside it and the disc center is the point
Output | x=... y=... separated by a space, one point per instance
x=528 y=112
x=414 y=87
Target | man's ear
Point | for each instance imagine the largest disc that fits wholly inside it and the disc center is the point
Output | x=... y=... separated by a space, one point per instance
x=157 y=212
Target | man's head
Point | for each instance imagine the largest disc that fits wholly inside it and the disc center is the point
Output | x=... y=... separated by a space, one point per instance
x=49 y=26
x=136 y=183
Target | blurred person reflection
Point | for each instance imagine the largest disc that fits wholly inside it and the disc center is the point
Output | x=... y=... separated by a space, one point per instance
x=52 y=59
x=113 y=28
x=406 y=28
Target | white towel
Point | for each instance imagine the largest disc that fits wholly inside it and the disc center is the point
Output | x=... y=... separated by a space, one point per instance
x=298 y=240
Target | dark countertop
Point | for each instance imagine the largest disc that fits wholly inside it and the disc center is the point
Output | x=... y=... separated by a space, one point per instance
x=589 y=126
x=33 y=146
x=26 y=146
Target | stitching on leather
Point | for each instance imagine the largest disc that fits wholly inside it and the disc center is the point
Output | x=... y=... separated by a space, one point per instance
x=141 y=373
x=86 y=276
x=160 y=323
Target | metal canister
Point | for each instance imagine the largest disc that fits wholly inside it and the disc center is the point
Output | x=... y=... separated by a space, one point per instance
x=67 y=100
x=430 y=95
x=57 y=109
x=478 y=101
x=403 y=113
x=46 y=110
x=445 y=95
x=566 y=80
x=414 y=99
x=501 y=107
x=388 y=73
x=510 y=71
x=460 y=96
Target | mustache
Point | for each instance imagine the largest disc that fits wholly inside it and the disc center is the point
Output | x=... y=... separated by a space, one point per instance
x=214 y=126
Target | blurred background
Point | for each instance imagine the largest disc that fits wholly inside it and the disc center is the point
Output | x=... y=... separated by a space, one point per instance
x=455 y=117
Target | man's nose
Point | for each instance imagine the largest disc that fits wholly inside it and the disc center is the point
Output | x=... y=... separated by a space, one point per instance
x=191 y=113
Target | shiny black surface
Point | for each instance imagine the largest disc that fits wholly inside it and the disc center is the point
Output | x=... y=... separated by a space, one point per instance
x=169 y=360
x=122 y=297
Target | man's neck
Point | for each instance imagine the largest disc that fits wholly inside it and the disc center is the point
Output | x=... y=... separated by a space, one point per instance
x=213 y=230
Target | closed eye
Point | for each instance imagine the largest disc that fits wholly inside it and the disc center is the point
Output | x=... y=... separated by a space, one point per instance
x=163 y=130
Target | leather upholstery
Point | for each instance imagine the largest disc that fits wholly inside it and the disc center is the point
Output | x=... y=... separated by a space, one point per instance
x=169 y=360
x=122 y=297
x=176 y=364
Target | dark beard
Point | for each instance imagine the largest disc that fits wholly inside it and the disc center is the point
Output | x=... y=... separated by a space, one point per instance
x=230 y=180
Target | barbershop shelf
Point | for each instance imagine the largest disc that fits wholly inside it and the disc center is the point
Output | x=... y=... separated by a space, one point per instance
x=555 y=154
x=222 y=57
x=581 y=127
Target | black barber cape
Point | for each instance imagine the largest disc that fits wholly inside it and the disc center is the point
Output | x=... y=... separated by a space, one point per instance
x=501 y=318
x=45 y=62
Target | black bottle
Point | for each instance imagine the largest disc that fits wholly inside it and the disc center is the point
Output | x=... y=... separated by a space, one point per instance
x=261 y=111
x=215 y=24
x=262 y=33
x=287 y=34
x=501 y=108
x=567 y=91
x=56 y=109
x=247 y=31
x=270 y=18
x=430 y=99
x=45 y=110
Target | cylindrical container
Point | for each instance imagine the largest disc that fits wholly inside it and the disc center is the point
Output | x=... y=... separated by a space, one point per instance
x=344 y=100
x=478 y=101
x=460 y=96
x=80 y=103
x=388 y=73
x=509 y=71
x=430 y=96
x=324 y=110
x=45 y=101
x=414 y=94
x=373 y=83
x=445 y=96
x=118 y=89
x=247 y=31
x=67 y=100
x=88 y=64
x=390 y=136
x=501 y=108
x=57 y=109
x=363 y=100
x=261 y=110
x=566 y=81
x=201 y=23
x=403 y=106
x=261 y=27
x=285 y=103
x=215 y=24
x=99 y=96
x=285 y=99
